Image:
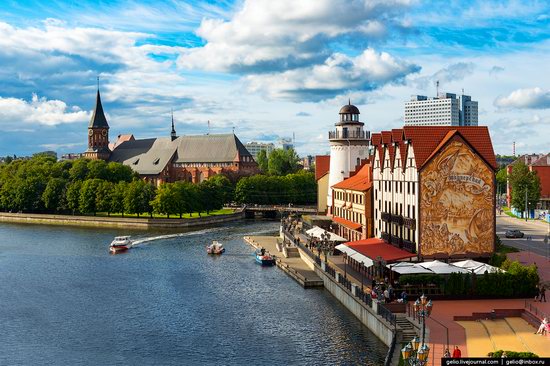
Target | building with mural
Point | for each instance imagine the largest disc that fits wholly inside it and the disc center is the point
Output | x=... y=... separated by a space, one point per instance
x=173 y=158
x=434 y=189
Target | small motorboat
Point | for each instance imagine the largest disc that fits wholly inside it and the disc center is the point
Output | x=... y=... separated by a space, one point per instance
x=120 y=244
x=264 y=258
x=215 y=248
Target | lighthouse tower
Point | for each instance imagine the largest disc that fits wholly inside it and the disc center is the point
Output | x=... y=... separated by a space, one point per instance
x=348 y=146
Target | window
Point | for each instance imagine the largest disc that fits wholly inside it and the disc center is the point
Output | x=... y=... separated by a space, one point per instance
x=413 y=188
x=156 y=162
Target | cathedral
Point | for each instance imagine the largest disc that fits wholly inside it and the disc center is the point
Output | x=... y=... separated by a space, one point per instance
x=193 y=158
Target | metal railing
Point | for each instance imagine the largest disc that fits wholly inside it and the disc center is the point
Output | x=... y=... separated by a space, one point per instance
x=385 y=313
x=534 y=310
x=389 y=355
x=344 y=282
x=409 y=246
x=346 y=135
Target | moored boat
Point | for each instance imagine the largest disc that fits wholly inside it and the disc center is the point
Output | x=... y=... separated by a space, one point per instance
x=120 y=244
x=264 y=258
x=215 y=248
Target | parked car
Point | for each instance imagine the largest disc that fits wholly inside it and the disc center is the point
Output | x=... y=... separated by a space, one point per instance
x=514 y=234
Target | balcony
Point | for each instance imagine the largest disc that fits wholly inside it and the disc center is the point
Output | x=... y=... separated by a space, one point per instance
x=409 y=223
x=386 y=237
x=347 y=135
x=386 y=216
x=409 y=246
x=396 y=241
x=398 y=219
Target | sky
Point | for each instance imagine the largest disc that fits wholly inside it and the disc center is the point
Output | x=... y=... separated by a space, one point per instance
x=267 y=69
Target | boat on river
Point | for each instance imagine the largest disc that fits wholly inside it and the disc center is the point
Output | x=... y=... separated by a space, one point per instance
x=120 y=244
x=215 y=248
x=264 y=258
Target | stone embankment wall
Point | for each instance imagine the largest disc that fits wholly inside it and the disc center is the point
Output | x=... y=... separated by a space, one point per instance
x=126 y=222
x=382 y=329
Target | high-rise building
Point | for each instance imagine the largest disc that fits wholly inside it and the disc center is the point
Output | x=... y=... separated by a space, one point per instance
x=286 y=143
x=444 y=110
x=254 y=148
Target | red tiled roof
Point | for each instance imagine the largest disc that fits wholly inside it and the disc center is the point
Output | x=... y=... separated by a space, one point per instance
x=386 y=137
x=322 y=166
x=374 y=247
x=397 y=134
x=361 y=181
x=350 y=224
x=426 y=139
x=544 y=160
x=376 y=138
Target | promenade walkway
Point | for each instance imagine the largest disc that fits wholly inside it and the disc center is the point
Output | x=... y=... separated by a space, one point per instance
x=295 y=267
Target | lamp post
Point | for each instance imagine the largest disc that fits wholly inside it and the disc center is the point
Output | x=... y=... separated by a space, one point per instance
x=417 y=351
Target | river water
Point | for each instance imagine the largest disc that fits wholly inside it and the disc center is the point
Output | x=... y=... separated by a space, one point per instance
x=65 y=301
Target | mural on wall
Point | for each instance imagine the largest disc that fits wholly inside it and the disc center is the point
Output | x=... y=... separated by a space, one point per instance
x=457 y=213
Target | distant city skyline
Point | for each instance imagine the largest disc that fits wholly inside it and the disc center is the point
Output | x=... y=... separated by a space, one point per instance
x=267 y=69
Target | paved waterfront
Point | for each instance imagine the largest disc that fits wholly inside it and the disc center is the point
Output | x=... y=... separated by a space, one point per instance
x=66 y=301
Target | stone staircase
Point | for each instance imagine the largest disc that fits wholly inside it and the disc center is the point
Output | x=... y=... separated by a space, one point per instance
x=408 y=330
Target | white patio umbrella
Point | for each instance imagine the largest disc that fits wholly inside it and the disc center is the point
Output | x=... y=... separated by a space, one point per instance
x=439 y=267
x=477 y=267
x=316 y=231
x=408 y=268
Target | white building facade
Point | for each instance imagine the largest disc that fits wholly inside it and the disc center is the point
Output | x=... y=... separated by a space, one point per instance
x=444 y=110
x=349 y=144
x=254 y=148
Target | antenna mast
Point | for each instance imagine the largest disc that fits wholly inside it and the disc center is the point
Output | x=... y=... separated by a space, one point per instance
x=437 y=88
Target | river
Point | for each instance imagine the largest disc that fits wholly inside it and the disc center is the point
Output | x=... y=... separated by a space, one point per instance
x=64 y=300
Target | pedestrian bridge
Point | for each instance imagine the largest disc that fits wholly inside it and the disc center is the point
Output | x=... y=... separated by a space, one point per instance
x=277 y=210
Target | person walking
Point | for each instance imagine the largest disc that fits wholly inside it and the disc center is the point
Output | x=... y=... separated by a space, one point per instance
x=447 y=354
x=457 y=353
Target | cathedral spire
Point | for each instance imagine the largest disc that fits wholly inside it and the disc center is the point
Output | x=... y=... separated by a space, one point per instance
x=98 y=119
x=173 y=135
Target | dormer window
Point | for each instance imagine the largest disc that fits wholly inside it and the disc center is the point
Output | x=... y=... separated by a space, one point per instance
x=156 y=162
x=136 y=162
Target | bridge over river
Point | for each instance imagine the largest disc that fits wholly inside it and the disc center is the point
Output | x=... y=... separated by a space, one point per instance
x=272 y=211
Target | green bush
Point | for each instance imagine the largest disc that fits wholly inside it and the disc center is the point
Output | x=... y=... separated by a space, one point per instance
x=421 y=279
x=497 y=259
x=512 y=354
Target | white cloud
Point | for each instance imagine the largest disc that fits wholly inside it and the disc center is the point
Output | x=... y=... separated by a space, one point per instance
x=532 y=98
x=339 y=73
x=454 y=72
x=40 y=111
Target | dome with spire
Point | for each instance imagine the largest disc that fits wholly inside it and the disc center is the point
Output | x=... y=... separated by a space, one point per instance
x=349 y=109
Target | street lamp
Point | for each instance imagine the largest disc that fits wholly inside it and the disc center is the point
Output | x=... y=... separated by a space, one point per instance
x=417 y=351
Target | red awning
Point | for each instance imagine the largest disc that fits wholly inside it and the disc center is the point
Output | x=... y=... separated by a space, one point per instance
x=374 y=247
x=349 y=224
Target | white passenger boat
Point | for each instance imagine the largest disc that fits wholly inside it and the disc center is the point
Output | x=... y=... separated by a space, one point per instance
x=215 y=248
x=120 y=244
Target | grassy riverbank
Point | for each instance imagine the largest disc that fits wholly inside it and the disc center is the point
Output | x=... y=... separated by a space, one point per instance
x=193 y=215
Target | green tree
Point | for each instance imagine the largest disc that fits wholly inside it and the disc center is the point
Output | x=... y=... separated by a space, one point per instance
x=119 y=172
x=524 y=181
x=88 y=193
x=165 y=202
x=104 y=197
x=501 y=177
x=97 y=169
x=79 y=170
x=138 y=197
x=54 y=195
x=210 y=195
x=117 y=197
x=73 y=195
x=28 y=194
x=263 y=161
x=225 y=186
x=283 y=162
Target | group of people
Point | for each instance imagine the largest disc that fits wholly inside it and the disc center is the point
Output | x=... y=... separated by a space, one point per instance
x=541 y=293
x=457 y=353
x=544 y=327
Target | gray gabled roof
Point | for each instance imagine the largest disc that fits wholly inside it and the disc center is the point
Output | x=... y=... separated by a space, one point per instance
x=150 y=156
x=98 y=119
x=209 y=148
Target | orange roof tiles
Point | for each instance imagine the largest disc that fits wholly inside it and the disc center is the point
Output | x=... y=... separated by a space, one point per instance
x=376 y=138
x=361 y=181
x=426 y=140
x=322 y=166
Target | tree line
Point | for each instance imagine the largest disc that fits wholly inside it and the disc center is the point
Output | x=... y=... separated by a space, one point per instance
x=43 y=185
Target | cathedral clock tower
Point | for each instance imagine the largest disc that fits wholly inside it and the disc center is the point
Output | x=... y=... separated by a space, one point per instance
x=98 y=134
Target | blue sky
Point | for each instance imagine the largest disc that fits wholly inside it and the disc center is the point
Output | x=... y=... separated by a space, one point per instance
x=266 y=68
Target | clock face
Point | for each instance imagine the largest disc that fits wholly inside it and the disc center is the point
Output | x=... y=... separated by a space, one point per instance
x=104 y=132
x=90 y=132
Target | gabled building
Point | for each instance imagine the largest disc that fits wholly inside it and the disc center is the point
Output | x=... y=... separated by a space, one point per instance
x=539 y=163
x=352 y=205
x=434 y=189
x=169 y=159
x=322 y=165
